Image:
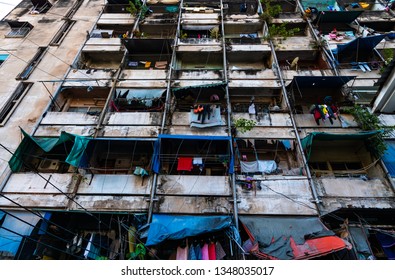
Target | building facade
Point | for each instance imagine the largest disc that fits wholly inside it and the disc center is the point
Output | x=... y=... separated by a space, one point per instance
x=161 y=129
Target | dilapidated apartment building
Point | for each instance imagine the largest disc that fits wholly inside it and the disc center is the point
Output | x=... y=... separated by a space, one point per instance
x=192 y=129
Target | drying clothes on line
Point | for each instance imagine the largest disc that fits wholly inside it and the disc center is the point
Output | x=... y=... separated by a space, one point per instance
x=133 y=63
x=261 y=166
x=192 y=253
x=324 y=112
x=184 y=164
x=205 y=252
x=251 y=109
x=197 y=161
x=182 y=253
x=139 y=171
x=219 y=251
x=211 y=251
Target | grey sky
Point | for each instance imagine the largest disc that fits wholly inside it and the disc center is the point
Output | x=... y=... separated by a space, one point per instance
x=6 y=6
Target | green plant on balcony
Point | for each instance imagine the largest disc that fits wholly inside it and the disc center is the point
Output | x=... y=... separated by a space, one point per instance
x=269 y=11
x=370 y=122
x=214 y=33
x=280 y=31
x=243 y=125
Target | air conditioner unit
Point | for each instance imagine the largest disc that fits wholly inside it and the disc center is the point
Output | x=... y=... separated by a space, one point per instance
x=49 y=165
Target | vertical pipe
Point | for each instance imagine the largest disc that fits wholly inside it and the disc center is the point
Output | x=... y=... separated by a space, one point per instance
x=309 y=178
x=229 y=111
x=167 y=108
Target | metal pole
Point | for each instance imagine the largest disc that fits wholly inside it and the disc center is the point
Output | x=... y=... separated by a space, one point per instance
x=229 y=111
x=167 y=108
x=309 y=178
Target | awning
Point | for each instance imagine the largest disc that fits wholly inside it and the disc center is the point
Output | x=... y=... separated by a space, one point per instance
x=360 y=44
x=30 y=143
x=9 y=242
x=171 y=227
x=321 y=81
x=359 y=237
x=148 y=46
x=288 y=238
x=389 y=157
x=307 y=142
x=19 y=24
x=336 y=17
x=144 y=95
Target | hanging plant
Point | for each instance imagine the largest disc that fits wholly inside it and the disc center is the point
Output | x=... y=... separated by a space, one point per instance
x=370 y=122
x=244 y=125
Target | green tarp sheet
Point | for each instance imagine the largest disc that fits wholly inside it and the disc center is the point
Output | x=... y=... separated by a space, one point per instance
x=30 y=143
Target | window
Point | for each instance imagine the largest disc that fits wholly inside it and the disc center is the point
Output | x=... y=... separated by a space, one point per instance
x=61 y=34
x=3 y=57
x=32 y=64
x=13 y=102
x=19 y=29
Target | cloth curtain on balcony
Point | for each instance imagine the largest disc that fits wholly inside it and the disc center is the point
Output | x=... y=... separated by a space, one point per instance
x=307 y=142
x=172 y=227
x=289 y=238
x=30 y=143
x=389 y=158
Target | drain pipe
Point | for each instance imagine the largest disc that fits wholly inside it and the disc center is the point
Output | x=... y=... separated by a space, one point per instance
x=154 y=184
x=309 y=178
x=229 y=110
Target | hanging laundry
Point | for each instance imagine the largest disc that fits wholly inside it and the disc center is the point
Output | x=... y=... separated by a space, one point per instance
x=211 y=251
x=182 y=253
x=147 y=64
x=219 y=251
x=205 y=252
x=184 y=164
x=197 y=161
x=192 y=253
x=198 y=252
x=133 y=63
x=139 y=171
x=251 y=109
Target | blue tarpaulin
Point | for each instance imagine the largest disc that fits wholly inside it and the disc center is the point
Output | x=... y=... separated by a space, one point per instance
x=9 y=241
x=389 y=158
x=171 y=227
x=156 y=157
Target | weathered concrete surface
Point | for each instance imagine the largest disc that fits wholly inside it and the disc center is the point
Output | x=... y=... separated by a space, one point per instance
x=193 y=205
x=210 y=131
x=190 y=185
x=32 y=183
x=111 y=203
x=115 y=19
x=119 y=184
x=68 y=118
x=199 y=74
x=183 y=118
x=55 y=130
x=135 y=118
x=279 y=197
x=131 y=131
x=43 y=201
x=268 y=133
x=143 y=74
x=307 y=120
x=354 y=188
